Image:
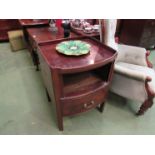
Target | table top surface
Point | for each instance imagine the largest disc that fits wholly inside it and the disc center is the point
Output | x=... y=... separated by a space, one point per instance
x=33 y=22
x=99 y=53
x=43 y=34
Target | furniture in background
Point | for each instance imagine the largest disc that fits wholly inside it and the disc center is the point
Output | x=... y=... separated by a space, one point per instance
x=43 y=34
x=133 y=76
x=81 y=32
x=7 y=25
x=32 y=23
x=137 y=32
x=118 y=27
x=93 y=34
x=76 y=84
x=29 y=23
x=16 y=39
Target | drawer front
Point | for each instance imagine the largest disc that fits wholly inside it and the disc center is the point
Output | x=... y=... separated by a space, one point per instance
x=83 y=104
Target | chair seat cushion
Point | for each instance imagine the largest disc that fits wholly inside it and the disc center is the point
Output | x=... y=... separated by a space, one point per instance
x=141 y=69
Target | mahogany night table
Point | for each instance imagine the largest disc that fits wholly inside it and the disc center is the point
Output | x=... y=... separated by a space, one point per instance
x=76 y=84
x=43 y=34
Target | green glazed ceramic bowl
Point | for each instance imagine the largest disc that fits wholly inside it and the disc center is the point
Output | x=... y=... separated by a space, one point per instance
x=73 y=47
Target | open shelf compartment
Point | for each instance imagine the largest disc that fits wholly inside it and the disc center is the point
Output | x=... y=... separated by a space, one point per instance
x=80 y=84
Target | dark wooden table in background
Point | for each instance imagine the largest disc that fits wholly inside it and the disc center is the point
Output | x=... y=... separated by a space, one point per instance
x=8 y=25
x=29 y=23
x=33 y=22
x=76 y=84
x=43 y=34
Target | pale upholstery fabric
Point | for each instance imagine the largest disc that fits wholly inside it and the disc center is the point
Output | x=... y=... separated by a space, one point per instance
x=130 y=71
x=128 y=87
x=124 y=69
x=132 y=54
x=141 y=70
x=132 y=88
x=109 y=33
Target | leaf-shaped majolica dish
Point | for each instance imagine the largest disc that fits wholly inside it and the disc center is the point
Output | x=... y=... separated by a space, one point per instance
x=73 y=47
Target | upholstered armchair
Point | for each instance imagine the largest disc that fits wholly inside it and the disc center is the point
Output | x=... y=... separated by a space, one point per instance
x=134 y=77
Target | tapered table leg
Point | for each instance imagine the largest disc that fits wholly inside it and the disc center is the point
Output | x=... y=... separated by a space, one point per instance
x=48 y=97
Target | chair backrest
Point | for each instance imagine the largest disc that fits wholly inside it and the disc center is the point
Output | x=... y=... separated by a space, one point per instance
x=109 y=32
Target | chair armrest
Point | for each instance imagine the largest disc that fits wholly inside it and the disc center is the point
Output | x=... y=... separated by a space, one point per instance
x=132 y=73
x=132 y=54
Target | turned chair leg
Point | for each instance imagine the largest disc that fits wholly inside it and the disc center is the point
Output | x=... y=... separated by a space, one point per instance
x=144 y=107
x=101 y=107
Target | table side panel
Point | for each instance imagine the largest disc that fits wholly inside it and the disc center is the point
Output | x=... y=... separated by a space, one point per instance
x=47 y=77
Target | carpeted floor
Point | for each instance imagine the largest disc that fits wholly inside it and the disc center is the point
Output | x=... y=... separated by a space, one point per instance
x=24 y=108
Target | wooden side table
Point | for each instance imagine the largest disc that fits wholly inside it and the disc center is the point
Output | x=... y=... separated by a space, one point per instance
x=76 y=84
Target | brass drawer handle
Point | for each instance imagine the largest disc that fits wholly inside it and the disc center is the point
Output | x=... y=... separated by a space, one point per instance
x=87 y=106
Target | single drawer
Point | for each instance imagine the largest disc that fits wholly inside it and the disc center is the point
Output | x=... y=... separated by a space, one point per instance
x=71 y=106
